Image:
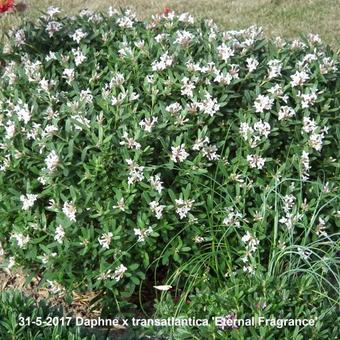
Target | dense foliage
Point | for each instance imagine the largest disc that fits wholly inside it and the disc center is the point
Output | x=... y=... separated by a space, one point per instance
x=14 y=306
x=135 y=154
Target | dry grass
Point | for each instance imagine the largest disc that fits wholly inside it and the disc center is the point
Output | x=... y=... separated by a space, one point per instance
x=287 y=18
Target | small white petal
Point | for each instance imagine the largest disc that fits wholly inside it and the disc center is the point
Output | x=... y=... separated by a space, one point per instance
x=164 y=287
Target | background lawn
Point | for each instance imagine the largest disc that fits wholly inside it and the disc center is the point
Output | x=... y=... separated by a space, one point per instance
x=286 y=18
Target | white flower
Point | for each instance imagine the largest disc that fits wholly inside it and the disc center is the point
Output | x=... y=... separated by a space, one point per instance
x=59 y=234
x=178 y=153
x=183 y=207
x=309 y=125
x=233 y=218
x=305 y=254
x=263 y=103
x=135 y=172
x=314 y=38
x=277 y=91
x=130 y=142
x=157 y=209
x=234 y=70
x=23 y=113
x=262 y=128
x=183 y=37
x=11 y=263
x=288 y=202
x=125 y=22
x=142 y=234
x=290 y=219
x=52 y=161
x=52 y=11
x=105 y=240
x=308 y=99
x=68 y=74
x=160 y=37
x=120 y=205
x=315 y=141
x=223 y=78
x=305 y=165
x=246 y=130
x=78 y=35
x=186 y=18
x=275 y=67
x=125 y=51
x=164 y=62
x=79 y=56
x=70 y=211
x=187 y=87
x=328 y=65
x=286 y=112
x=225 y=52
x=198 y=239
x=256 y=161
x=209 y=105
x=51 y=56
x=117 y=80
x=249 y=269
x=200 y=143
x=10 y=130
x=21 y=239
x=53 y=27
x=45 y=258
x=81 y=120
x=28 y=201
x=148 y=123
x=250 y=241
x=299 y=78
x=173 y=108
x=210 y=152
x=156 y=183
x=119 y=272
x=252 y=64
x=320 y=228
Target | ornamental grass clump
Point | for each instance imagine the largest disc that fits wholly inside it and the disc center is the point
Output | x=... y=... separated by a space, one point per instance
x=129 y=149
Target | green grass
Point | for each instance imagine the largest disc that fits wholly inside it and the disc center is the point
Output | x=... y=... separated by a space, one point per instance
x=286 y=18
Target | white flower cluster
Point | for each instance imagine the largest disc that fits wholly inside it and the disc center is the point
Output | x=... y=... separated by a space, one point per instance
x=59 y=234
x=135 y=172
x=253 y=134
x=70 y=211
x=105 y=240
x=208 y=151
x=233 y=218
x=131 y=143
x=256 y=161
x=263 y=103
x=28 y=201
x=157 y=209
x=156 y=183
x=251 y=244
x=164 y=62
x=183 y=207
x=178 y=153
x=289 y=218
x=142 y=233
x=21 y=239
x=117 y=275
x=316 y=138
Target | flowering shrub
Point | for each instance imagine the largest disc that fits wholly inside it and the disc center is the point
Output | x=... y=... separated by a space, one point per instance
x=6 y=5
x=169 y=146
